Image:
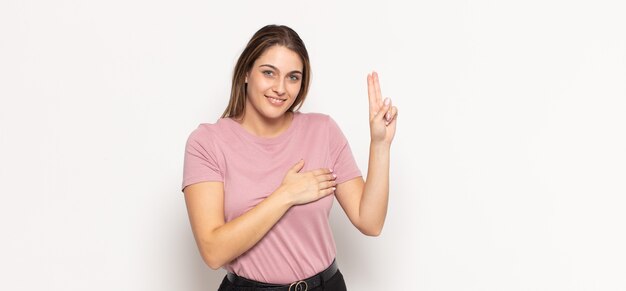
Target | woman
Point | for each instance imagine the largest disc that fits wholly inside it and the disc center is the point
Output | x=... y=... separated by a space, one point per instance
x=259 y=183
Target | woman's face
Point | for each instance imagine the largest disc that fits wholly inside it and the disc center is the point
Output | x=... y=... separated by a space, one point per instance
x=273 y=82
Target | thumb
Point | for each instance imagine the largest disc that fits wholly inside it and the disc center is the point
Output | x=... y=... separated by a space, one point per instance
x=383 y=109
x=297 y=167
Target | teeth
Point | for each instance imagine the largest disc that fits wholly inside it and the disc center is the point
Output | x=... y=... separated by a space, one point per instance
x=275 y=100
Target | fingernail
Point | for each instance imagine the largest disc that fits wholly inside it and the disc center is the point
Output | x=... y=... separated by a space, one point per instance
x=335 y=176
x=387 y=100
x=334 y=188
x=331 y=170
x=387 y=116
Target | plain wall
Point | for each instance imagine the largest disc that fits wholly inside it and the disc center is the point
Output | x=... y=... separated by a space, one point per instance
x=507 y=169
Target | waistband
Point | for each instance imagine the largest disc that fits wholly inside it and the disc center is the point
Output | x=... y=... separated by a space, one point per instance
x=244 y=284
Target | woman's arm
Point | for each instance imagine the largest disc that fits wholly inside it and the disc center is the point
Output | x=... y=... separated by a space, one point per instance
x=365 y=203
x=220 y=242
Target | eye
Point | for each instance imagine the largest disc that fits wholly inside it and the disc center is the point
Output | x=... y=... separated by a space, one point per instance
x=268 y=73
x=294 y=77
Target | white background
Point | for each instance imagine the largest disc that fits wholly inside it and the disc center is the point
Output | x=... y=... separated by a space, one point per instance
x=508 y=167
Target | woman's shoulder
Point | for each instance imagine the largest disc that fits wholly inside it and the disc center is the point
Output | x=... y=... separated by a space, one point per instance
x=318 y=119
x=206 y=131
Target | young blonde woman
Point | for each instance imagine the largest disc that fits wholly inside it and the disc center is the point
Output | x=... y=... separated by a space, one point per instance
x=259 y=183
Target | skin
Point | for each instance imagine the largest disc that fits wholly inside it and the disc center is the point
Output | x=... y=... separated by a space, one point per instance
x=275 y=74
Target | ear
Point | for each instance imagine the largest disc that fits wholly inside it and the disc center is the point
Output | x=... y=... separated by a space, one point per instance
x=247 y=77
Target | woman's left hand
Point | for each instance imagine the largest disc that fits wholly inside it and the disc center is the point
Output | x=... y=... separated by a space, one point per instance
x=382 y=113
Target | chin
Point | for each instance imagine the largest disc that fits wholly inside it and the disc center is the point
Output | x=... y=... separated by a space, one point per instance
x=269 y=111
x=276 y=112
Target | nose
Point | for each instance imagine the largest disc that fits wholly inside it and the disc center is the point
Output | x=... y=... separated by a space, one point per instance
x=279 y=87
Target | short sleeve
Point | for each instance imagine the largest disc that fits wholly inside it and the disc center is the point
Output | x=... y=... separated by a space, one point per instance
x=341 y=158
x=200 y=163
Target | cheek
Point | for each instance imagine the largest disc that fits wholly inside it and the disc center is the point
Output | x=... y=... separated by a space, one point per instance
x=294 y=89
x=258 y=85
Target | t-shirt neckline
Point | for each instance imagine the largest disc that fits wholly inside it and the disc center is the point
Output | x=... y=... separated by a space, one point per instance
x=265 y=140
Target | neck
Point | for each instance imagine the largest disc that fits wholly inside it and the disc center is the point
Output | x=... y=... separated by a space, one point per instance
x=266 y=127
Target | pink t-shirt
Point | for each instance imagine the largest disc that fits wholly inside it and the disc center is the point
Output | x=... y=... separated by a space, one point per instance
x=301 y=243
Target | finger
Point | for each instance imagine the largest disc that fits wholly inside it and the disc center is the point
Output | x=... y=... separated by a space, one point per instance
x=379 y=95
x=383 y=111
x=322 y=171
x=327 y=191
x=388 y=114
x=327 y=184
x=297 y=167
x=326 y=177
x=371 y=94
x=394 y=115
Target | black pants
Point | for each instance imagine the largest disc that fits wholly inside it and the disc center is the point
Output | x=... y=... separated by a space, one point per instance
x=335 y=283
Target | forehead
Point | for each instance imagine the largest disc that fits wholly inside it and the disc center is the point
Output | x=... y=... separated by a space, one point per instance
x=281 y=57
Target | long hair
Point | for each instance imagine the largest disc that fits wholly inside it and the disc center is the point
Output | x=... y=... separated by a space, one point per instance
x=264 y=38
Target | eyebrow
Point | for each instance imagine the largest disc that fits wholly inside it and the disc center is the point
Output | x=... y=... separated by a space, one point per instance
x=275 y=68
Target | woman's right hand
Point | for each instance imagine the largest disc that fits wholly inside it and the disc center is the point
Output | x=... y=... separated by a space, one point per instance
x=300 y=188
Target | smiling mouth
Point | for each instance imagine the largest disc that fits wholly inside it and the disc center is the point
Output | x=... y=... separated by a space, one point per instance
x=275 y=100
